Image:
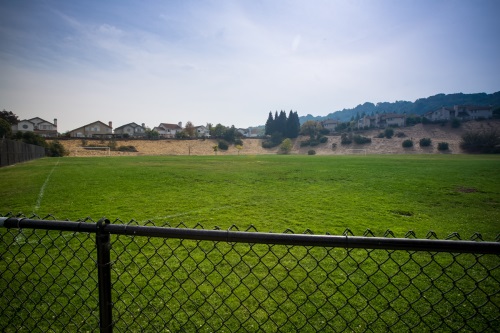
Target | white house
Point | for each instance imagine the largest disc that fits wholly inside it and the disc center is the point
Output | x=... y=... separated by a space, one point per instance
x=202 y=131
x=133 y=130
x=38 y=126
x=168 y=130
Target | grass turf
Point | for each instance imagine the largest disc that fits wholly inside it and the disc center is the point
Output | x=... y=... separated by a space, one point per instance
x=204 y=286
x=443 y=193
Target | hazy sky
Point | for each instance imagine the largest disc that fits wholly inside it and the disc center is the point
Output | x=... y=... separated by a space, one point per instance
x=232 y=62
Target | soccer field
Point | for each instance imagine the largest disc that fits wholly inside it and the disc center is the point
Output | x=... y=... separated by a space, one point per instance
x=442 y=193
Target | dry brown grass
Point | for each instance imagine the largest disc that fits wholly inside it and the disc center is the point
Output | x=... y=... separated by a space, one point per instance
x=437 y=133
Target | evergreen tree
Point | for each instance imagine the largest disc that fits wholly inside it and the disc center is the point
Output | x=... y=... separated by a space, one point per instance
x=292 y=125
x=269 y=124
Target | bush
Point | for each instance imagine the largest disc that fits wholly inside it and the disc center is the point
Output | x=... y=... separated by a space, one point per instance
x=359 y=139
x=311 y=152
x=304 y=143
x=56 y=149
x=334 y=146
x=388 y=133
x=223 y=145
x=455 y=123
x=323 y=139
x=286 y=146
x=313 y=143
x=127 y=148
x=400 y=135
x=268 y=144
x=407 y=144
x=425 y=142
x=443 y=146
x=481 y=142
x=238 y=142
x=381 y=135
x=345 y=139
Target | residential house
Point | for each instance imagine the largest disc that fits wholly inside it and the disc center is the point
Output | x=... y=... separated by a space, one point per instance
x=330 y=124
x=382 y=120
x=462 y=112
x=131 y=130
x=168 y=130
x=96 y=129
x=202 y=131
x=38 y=126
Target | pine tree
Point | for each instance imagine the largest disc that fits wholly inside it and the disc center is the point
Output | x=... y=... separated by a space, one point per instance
x=269 y=124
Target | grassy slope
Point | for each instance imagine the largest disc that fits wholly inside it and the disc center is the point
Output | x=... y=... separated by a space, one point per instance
x=325 y=194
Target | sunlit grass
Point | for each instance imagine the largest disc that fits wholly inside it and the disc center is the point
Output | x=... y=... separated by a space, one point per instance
x=191 y=286
x=443 y=193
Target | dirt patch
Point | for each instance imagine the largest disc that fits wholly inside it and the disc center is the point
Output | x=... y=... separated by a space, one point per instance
x=463 y=189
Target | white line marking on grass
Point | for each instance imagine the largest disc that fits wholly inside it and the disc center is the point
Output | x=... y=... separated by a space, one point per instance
x=42 y=190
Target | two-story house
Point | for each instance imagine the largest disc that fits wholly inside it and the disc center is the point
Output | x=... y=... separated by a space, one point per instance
x=131 y=130
x=462 y=112
x=382 y=120
x=38 y=126
x=330 y=124
x=97 y=129
x=166 y=130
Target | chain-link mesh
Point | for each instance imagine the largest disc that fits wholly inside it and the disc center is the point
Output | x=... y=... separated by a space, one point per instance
x=49 y=282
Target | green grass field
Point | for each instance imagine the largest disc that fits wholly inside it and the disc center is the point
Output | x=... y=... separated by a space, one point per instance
x=443 y=193
x=191 y=286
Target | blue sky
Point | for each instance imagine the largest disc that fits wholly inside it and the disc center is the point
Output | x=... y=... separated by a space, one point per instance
x=231 y=62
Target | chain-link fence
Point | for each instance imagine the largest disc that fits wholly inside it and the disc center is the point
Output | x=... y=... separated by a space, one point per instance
x=86 y=276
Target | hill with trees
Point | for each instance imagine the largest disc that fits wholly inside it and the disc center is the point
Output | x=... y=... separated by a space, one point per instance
x=419 y=107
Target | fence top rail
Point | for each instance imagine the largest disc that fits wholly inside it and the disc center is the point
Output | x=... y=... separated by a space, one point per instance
x=344 y=241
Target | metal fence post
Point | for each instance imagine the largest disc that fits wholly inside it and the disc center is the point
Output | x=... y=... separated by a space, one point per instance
x=104 y=277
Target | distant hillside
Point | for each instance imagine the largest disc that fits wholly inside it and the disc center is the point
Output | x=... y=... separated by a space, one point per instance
x=419 y=107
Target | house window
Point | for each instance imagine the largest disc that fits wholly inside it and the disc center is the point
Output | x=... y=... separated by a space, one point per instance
x=25 y=126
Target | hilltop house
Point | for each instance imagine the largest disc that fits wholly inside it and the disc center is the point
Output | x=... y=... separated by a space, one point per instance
x=38 y=126
x=382 y=120
x=168 y=130
x=330 y=124
x=462 y=112
x=202 y=131
x=93 y=130
x=132 y=130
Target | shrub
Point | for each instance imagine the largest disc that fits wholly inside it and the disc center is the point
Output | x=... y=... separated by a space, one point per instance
x=455 y=123
x=311 y=152
x=425 y=142
x=481 y=142
x=268 y=144
x=223 y=145
x=345 y=139
x=286 y=146
x=56 y=149
x=381 y=135
x=359 y=139
x=407 y=144
x=400 y=135
x=323 y=139
x=334 y=146
x=443 y=146
x=313 y=143
x=127 y=148
x=304 y=143
x=238 y=142
x=388 y=133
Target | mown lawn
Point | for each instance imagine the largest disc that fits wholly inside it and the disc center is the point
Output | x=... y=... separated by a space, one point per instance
x=443 y=193
x=49 y=278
